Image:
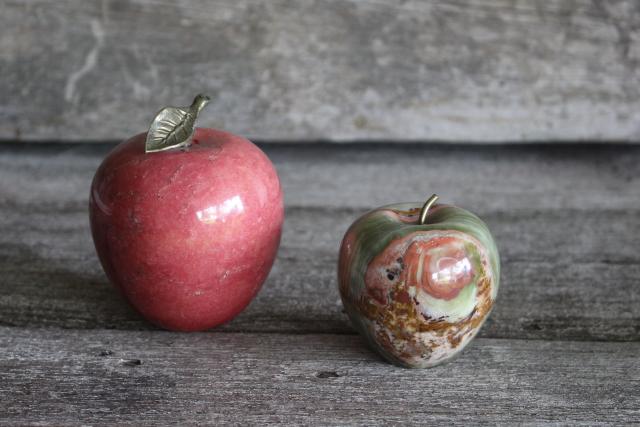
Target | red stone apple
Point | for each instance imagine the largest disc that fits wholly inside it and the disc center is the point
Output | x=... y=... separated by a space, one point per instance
x=186 y=223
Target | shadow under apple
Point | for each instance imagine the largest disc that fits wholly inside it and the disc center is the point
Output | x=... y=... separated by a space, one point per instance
x=38 y=291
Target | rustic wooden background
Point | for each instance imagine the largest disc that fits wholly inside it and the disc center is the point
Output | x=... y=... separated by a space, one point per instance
x=300 y=70
x=562 y=345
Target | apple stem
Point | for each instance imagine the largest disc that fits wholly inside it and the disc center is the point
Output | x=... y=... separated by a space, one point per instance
x=425 y=208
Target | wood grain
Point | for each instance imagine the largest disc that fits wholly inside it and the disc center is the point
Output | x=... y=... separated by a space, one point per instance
x=490 y=70
x=566 y=220
x=150 y=378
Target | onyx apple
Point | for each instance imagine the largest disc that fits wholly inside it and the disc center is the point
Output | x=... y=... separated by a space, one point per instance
x=418 y=281
x=186 y=222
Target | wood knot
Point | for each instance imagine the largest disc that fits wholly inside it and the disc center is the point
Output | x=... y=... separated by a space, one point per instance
x=327 y=374
x=130 y=362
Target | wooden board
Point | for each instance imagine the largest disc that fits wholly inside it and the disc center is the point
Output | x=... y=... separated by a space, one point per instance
x=561 y=346
x=566 y=220
x=490 y=70
x=155 y=378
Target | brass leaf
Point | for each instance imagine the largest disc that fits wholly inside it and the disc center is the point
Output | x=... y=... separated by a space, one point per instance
x=173 y=126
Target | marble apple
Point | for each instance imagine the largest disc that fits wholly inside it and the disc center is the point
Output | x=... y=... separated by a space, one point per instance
x=418 y=281
x=186 y=222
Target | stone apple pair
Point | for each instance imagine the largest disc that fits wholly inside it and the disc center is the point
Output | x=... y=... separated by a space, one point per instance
x=187 y=222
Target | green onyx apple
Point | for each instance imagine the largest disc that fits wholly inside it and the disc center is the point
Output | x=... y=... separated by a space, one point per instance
x=418 y=280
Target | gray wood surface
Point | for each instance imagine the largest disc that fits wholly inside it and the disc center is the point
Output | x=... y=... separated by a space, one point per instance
x=489 y=70
x=567 y=221
x=561 y=346
x=151 y=378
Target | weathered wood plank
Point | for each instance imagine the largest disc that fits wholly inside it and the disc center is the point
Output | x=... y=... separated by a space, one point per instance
x=153 y=378
x=566 y=219
x=362 y=176
x=468 y=70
